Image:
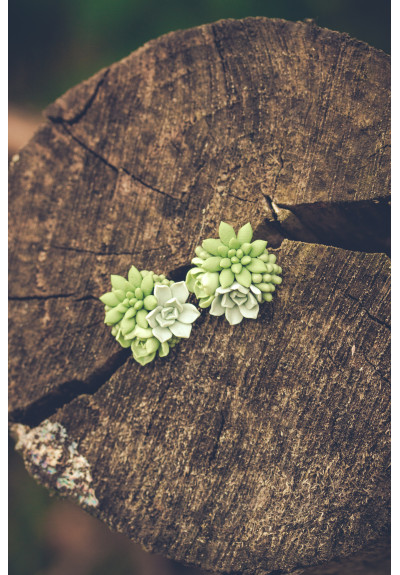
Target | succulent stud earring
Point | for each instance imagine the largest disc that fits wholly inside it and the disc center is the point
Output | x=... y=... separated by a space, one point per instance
x=148 y=313
x=233 y=275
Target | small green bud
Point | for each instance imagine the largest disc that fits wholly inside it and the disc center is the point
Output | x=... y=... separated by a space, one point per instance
x=132 y=301
x=150 y=302
x=239 y=253
x=272 y=258
x=225 y=263
x=236 y=268
x=245 y=260
x=129 y=294
x=270 y=268
x=256 y=278
x=121 y=308
x=267 y=296
x=235 y=260
x=138 y=293
x=246 y=248
x=234 y=243
x=277 y=280
x=231 y=253
x=264 y=287
x=223 y=251
x=267 y=278
x=138 y=304
x=126 y=302
x=144 y=273
x=264 y=257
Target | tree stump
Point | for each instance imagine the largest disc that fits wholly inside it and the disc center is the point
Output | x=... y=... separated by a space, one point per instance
x=260 y=448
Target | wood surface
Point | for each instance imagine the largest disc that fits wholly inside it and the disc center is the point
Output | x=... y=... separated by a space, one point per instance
x=260 y=448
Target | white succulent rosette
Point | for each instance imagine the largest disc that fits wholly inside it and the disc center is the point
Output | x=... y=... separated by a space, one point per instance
x=172 y=316
x=236 y=302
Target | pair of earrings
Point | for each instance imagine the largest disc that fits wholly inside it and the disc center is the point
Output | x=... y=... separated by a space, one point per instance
x=232 y=275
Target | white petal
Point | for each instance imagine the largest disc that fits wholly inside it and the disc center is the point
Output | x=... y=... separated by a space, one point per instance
x=180 y=291
x=228 y=289
x=255 y=290
x=242 y=289
x=251 y=313
x=175 y=303
x=233 y=315
x=216 y=307
x=227 y=301
x=189 y=313
x=151 y=317
x=181 y=329
x=162 y=293
x=251 y=301
x=162 y=333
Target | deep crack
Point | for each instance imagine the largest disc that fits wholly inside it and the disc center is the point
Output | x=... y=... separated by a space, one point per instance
x=44 y=407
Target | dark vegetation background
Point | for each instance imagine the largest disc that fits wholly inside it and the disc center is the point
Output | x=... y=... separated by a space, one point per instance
x=54 y=44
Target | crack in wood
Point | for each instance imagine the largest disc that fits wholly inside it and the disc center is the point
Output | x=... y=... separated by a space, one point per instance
x=86 y=107
x=117 y=169
x=46 y=406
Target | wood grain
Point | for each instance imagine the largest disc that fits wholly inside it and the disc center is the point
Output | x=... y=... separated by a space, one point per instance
x=255 y=449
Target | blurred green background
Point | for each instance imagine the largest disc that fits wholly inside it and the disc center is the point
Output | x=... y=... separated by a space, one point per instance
x=56 y=44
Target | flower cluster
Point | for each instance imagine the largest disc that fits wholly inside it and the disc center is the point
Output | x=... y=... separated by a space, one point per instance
x=148 y=313
x=233 y=274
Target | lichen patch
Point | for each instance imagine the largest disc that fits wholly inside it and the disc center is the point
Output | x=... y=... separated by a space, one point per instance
x=55 y=462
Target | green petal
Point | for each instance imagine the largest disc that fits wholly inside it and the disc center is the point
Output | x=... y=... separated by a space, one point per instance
x=120 y=294
x=234 y=243
x=190 y=281
x=127 y=325
x=152 y=344
x=245 y=234
x=164 y=349
x=120 y=283
x=113 y=316
x=134 y=277
x=212 y=264
x=206 y=302
x=226 y=278
x=141 y=318
x=146 y=359
x=210 y=282
x=122 y=341
x=244 y=278
x=256 y=266
x=257 y=248
x=211 y=246
x=147 y=285
x=226 y=233
x=109 y=299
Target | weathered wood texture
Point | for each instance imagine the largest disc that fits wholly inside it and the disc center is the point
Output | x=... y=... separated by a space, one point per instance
x=252 y=449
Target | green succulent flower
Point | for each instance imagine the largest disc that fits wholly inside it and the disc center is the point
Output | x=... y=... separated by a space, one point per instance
x=127 y=306
x=232 y=258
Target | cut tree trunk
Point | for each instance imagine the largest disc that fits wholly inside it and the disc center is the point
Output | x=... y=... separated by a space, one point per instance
x=258 y=448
